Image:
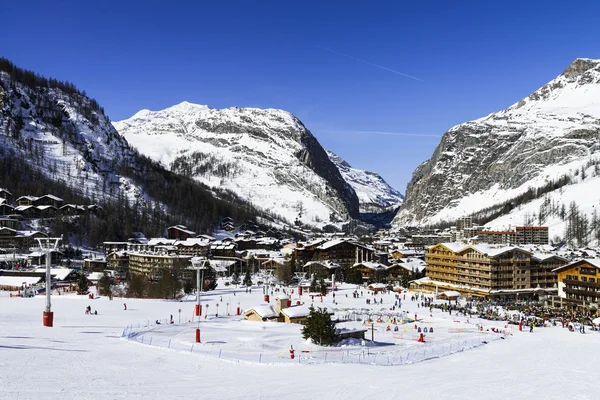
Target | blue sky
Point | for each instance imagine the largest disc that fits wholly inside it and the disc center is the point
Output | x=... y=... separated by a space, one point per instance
x=339 y=66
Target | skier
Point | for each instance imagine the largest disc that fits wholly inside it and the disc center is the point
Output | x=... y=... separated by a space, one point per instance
x=125 y=306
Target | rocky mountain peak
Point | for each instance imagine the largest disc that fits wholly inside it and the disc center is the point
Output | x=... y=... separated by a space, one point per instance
x=579 y=67
x=265 y=156
x=481 y=163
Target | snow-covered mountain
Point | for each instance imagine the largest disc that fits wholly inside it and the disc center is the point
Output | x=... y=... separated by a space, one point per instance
x=264 y=156
x=53 y=131
x=374 y=193
x=65 y=135
x=552 y=133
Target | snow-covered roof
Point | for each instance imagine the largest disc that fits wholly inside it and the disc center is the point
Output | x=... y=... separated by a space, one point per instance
x=95 y=276
x=303 y=310
x=59 y=273
x=159 y=241
x=30 y=198
x=595 y=262
x=192 y=242
x=264 y=311
x=327 y=264
x=182 y=228
x=370 y=265
x=52 y=197
x=45 y=207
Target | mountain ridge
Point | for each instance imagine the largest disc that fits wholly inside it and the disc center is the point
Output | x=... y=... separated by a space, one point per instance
x=485 y=161
x=266 y=156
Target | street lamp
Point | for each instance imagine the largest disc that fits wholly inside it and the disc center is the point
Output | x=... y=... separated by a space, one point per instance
x=48 y=244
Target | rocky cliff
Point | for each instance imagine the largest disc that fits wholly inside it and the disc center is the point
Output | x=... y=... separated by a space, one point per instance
x=552 y=132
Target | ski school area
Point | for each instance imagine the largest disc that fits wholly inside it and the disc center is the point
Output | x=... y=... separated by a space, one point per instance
x=387 y=337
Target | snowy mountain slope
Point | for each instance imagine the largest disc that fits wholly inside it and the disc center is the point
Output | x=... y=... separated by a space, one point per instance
x=66 y=136
x=553 y=132
x=266 y=156
x=51 y=128
x=374 y=193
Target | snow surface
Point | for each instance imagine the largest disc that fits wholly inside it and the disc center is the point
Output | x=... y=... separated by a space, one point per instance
x=85 y=357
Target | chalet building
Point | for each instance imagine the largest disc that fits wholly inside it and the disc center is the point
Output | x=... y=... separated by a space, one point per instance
x=47 y=211
x=152 y=265
x=223 y=249
x=321 y=269
x=346 y=253
x=5 y=209
x=39 y=257
x=275 y=264
x=179 y=232
x=371 y=271
x=227 y=224
x=49 y=200
x=95 y=264
x=72 y=209
x=11 y=238
x=487 y=270
x=398 y=272
x=26 y=200
x=579 y=283
x=28 y=211
x=6 y=195
x=9 y=223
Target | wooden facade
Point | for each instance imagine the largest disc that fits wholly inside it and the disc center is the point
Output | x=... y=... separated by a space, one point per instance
x=490 y=268
x=579 y=283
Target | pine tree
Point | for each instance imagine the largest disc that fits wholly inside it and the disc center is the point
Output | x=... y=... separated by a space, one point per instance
x=319 y=328
x=82 y=284
x=235 y=279
x=247 y=277
x=354 y=277
x=104 y=286
x=322 y=287
x=313 y=285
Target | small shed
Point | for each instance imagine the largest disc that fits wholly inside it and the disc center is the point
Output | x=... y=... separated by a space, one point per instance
x=265 y=312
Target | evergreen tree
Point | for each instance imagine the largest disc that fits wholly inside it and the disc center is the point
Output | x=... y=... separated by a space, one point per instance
x=354 y=277
x=235 y=279
x=313 y=285
x=319 y=328
x=188 y=286
x=137 y=286
x=82 y=284
x=247 y=277
x=104 y=286
x=322 y=287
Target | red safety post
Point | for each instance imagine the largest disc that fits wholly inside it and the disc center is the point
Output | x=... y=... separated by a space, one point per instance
x=197 y=335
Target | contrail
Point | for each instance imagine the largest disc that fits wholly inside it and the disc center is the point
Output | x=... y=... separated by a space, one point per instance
x=385 y=133
x=370 y=63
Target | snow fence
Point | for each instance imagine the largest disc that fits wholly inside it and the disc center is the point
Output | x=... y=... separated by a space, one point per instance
x=373 y=355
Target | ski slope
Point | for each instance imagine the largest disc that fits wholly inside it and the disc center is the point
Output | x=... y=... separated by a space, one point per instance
x=85 y=357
